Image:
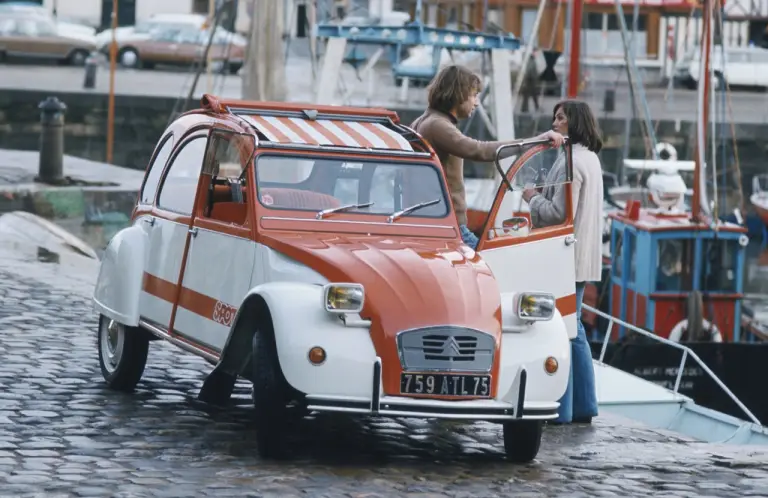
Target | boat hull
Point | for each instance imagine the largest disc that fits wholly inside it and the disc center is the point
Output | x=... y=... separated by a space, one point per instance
x=740 y=366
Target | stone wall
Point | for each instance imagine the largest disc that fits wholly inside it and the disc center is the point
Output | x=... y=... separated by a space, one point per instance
x=140 y=121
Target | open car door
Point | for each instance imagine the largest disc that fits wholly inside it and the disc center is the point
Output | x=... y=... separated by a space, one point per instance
x=525 y=251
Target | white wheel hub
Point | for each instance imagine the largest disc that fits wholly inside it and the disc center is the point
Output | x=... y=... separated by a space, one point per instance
x=129 y=58
x=112 y=342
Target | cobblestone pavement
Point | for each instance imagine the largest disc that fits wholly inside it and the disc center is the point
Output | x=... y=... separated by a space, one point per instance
x=63 y=434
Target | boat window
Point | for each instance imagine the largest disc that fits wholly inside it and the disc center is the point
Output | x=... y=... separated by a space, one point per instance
x=674 y=263
x=618 y=254
x=313 y=184
x=719 y=268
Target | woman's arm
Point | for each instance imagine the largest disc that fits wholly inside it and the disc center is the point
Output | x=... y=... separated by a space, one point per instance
x=548 y=212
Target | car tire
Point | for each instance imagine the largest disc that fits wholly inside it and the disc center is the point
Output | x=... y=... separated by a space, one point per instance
x=122 y=354
x=271 y=395
x=77 y=57
x=522 y=440
x=129 y=58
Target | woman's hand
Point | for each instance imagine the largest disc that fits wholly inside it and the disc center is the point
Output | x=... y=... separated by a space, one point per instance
x=554 y=137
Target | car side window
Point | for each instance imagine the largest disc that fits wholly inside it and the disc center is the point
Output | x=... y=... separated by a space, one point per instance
x=156 y=168
x=177 y=192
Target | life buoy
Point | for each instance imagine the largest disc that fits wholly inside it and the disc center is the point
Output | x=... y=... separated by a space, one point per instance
x=682 y=325
x=666 y=151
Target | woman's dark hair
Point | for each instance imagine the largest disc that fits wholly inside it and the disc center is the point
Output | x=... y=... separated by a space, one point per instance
x=452 y=86
x=582 y=124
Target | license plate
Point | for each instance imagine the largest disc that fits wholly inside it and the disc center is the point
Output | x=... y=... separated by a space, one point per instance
x=446 y=384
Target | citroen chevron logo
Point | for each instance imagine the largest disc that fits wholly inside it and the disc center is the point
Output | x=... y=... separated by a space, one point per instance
x=451 y=348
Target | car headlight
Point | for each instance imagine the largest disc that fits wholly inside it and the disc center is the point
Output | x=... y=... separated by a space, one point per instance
x=343 y=298
x=535 y=306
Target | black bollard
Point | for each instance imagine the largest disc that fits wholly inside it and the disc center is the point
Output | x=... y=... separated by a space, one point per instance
x=51 y=167
x=609 y=102
x=91 y=65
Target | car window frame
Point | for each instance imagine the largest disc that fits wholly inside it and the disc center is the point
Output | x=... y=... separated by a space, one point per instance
x=356 y=159
x=183 y=142
x=168 y=137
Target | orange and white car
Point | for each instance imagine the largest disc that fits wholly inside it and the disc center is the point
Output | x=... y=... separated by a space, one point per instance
x=314 y=251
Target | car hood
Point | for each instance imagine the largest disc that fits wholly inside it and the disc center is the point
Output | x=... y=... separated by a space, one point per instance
x=409 y=283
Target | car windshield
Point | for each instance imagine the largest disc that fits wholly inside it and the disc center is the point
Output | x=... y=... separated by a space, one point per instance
x=315 y=184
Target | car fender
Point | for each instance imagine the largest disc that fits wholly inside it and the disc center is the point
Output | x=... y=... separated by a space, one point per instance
x=294 y=312
x=118 y=287
x=530 y=348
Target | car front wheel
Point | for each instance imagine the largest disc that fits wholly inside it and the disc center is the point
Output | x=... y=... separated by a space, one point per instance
x=122 y=354
x=522 y=440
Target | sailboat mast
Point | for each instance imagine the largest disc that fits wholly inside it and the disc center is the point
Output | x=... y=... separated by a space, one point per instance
x=575 y=48
x=705 y=80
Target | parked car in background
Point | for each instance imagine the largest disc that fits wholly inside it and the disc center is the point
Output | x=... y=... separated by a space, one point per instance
x=34 y=37
x=179 y=47
x=63 y=26
x=142 y=30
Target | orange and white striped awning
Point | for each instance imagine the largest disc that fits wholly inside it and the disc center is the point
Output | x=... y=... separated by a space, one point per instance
x=291 y=130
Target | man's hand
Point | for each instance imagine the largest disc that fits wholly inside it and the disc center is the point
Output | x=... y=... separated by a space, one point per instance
x=554 y=137
x=529 y=193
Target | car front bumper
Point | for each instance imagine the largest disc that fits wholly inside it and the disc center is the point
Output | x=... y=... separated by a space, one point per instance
x=401 y=406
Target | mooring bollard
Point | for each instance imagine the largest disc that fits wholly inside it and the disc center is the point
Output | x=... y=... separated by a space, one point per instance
x=609 y=102
x=91 y=65
x=51 y=167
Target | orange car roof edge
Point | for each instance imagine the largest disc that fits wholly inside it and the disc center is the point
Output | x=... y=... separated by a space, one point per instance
x=218 y=105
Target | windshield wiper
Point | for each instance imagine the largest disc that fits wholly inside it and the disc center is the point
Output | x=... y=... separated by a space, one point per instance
x=338 y=209
x=408 y=210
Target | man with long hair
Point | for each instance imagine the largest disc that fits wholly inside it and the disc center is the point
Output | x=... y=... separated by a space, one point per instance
x=452 y=96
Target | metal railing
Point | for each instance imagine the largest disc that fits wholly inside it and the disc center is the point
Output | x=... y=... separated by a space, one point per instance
x=686 y=353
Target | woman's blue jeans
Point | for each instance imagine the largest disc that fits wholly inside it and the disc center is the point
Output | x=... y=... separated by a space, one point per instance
x=580 y=398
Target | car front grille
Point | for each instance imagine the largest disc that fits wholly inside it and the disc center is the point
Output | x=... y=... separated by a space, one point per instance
x=446 y=349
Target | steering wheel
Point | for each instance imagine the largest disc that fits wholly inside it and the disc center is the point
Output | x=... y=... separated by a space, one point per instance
x=515 y=223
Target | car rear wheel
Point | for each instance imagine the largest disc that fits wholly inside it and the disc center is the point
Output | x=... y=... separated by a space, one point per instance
x=522 y=440
x=271 y=395
x=129 y=58
x=122 y=354
x=78 y=57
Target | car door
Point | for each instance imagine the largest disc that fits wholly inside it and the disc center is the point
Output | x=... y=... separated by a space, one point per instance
x=220 y=255
x=190 y=46
x=525 y=257
x=160 y=47
x=169 y=224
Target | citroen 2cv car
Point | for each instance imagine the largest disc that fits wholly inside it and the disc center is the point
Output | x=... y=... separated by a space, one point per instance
x=313 y=250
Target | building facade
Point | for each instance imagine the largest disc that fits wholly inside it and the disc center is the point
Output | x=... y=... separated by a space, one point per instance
x=664 y=27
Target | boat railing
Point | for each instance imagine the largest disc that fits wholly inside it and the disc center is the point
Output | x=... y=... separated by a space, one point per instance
x=687 y=352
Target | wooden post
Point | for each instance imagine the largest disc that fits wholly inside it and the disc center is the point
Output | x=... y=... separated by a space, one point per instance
x=574 y=51
x=209 y=59
x=265 y=59
x=111 y=102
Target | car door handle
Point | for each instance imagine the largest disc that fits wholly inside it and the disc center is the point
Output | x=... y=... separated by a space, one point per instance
x=570 y=240
x=193 y=231
x=150 y=221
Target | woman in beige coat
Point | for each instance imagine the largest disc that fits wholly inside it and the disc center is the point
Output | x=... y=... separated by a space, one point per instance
x=575 y=119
